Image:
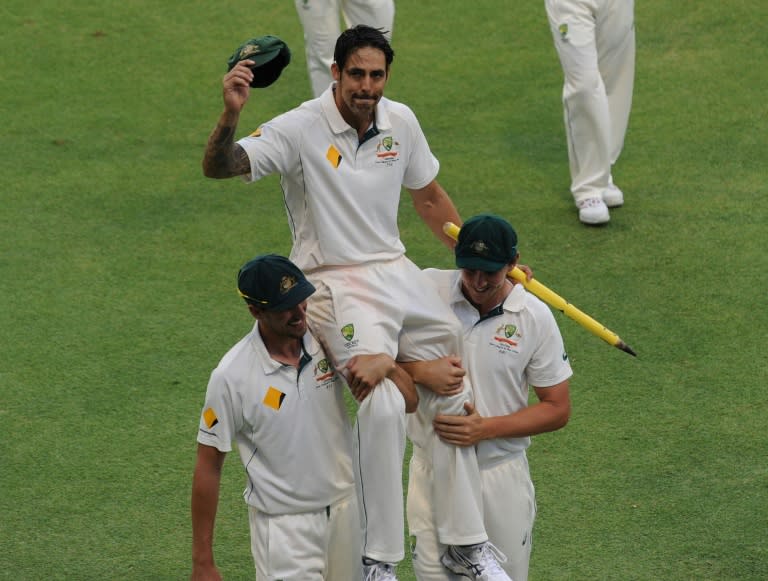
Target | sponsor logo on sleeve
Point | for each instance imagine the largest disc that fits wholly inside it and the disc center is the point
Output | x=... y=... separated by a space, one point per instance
x=348 y=332
x=210 y=418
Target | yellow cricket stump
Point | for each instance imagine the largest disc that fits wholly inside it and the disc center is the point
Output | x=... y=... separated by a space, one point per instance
x=556 y=301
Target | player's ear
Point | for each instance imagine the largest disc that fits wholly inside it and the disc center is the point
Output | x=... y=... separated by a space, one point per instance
x=335 y=72
x=254 y=310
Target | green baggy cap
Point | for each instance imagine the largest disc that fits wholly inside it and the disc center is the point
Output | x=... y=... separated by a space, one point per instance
x=486 y=242
x=270 y=54
x=273 y=283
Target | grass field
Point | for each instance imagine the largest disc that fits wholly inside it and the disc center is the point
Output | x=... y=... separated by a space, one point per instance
x=117 y=266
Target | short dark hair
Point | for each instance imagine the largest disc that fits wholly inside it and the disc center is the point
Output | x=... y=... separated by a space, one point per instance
x=358 y=37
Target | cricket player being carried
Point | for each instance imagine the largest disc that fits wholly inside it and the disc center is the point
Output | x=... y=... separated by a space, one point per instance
x=343 y=159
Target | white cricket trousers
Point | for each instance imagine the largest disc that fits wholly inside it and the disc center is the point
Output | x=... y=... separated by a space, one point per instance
x=509 y=507
x=322 y=545
x=595 y=40
x=391 y=307
x=321 y=21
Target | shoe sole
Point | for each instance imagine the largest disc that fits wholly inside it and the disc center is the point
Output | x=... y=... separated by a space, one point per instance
x=594 y=222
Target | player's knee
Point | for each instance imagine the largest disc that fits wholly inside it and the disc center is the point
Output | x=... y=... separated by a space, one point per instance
x=583 y=84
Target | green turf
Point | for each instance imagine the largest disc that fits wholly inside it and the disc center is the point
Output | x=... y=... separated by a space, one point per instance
x=117 y=264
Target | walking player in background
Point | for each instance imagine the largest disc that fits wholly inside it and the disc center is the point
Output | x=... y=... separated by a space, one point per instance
x=595 y=40
x=511 y=342
x=278 y=397
x=321 y=22
x=343 y=159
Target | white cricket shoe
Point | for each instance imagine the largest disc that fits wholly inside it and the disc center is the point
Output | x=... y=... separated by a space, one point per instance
x=593 y=211
x=379 y=572
x=479 y=562
x=613 y=196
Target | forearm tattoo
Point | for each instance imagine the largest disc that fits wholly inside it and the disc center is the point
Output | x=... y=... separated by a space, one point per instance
x=223 y=157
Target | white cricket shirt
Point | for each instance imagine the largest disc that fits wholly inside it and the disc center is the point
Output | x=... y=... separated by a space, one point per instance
x=290 y=426
x=515 y=346
x=342 y=196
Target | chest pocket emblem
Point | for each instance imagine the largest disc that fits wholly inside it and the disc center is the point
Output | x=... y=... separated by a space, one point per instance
x=333 y=156
x=274 y=398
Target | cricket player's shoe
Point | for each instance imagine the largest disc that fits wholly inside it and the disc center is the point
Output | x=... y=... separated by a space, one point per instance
x=613 y=196
x=593 y=211
x=378 y=571
x=478 y=562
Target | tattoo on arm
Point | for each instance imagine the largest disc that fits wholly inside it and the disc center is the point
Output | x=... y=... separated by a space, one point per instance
x=223 y=157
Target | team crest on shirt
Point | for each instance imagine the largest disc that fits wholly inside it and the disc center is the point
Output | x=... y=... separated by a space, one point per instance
x=506 y=338
x=387 y=151
x=324 y=373
x=509 y=331
x=348 y=332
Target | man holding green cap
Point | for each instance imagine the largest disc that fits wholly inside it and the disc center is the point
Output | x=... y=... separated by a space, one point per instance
x=344 y=159
x=511 y=343
x=278 y=397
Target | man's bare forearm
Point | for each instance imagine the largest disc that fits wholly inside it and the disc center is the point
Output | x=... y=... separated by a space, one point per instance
x=435 y=208
x=223 y=157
